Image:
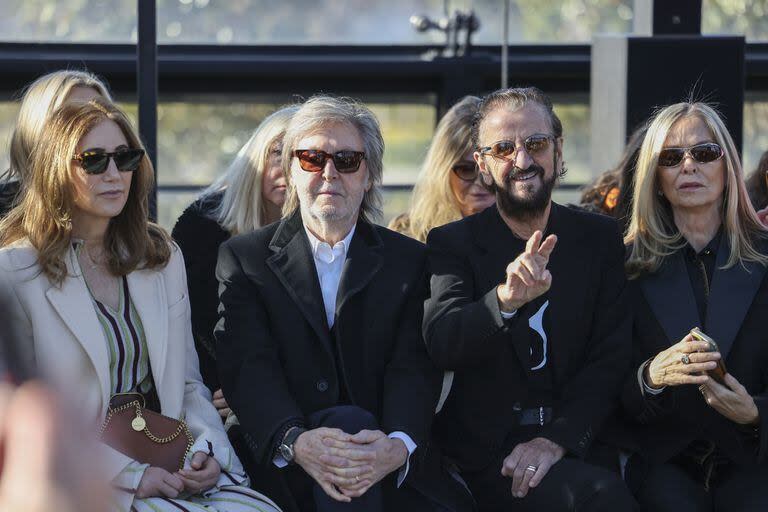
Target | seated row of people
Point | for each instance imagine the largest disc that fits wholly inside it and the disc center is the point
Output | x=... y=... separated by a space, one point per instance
x=573 y=367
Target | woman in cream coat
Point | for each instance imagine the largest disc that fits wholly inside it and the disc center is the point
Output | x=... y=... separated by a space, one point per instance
x=99 y=296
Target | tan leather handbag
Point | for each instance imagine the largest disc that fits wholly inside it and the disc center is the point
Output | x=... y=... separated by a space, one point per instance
x=144 y=435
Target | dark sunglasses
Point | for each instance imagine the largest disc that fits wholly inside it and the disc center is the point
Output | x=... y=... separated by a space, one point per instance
x=506 y=149
x=466 y=171
x=313 y=160
x=701 y=153
x=96 y=161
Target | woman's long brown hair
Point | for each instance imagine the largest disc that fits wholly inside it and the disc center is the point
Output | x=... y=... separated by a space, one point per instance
x=44 y=216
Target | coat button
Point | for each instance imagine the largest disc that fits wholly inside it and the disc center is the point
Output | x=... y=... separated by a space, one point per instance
x=322 y=385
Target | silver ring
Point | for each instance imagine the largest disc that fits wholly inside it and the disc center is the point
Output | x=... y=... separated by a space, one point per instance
x=357 y=478
x=532 y=468
x=685 y=359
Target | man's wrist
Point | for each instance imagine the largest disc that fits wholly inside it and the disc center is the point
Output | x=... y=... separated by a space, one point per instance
x=507 y=307
x=399 y=452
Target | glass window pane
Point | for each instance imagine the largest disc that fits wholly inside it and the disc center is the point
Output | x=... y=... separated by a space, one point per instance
x=104 y=21
x=743 y=17
x=755 y=130
x=381 y=22
x=199 y=137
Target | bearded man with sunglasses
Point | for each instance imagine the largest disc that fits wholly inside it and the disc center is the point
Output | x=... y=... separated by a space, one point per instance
x=319 y=349
x=528 y=309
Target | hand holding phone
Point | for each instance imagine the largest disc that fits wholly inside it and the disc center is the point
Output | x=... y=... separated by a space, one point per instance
x=718 y=374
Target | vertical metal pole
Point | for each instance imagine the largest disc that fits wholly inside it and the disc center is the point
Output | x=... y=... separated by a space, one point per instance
x=146 y=80
x=505 y=48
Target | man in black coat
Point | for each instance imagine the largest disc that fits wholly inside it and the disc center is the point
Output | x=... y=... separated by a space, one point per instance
x=528 y=309
x=319 y=342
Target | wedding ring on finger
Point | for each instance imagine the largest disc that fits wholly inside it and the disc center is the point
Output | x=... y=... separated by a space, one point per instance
x=357 y=478
x=685 y=359
x=532 y=468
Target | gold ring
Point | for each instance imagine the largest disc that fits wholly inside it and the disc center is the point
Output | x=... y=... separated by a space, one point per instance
x=685 y=359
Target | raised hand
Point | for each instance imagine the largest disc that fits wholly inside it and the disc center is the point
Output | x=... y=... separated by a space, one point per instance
x=684 y=362
x=527 y=276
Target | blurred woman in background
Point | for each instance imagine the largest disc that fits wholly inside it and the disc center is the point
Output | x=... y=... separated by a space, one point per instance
x=248 y=195
x=448 y=187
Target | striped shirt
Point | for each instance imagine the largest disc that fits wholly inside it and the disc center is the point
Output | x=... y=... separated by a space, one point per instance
x=129 y=369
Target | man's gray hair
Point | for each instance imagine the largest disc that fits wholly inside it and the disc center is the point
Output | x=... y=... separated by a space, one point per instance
x=321 y=111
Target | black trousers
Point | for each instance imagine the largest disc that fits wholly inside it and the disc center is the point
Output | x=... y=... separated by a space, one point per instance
x=669 y=488
x=571 y=485
x=385 y=495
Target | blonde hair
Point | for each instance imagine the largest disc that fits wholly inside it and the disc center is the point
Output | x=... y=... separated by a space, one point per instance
x=44 y=216
x=433 y=203
x=321 y=111
x=40 y=99
x=652 y=233
x=242 y=207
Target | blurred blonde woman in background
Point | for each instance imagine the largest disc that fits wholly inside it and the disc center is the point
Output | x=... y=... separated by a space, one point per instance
x=448 y=187
x=40 y=99
x=248 y=195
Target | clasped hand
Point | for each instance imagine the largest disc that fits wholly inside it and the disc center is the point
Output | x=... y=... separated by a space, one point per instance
x=527 y=276
x=732 y=400
x=202 y=475
x=344 y=465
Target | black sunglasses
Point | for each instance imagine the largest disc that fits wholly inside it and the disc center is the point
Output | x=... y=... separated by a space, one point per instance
x=466 y=171
x=313 y=160
x=701 y=153
x=505 y=149
x=96 y=161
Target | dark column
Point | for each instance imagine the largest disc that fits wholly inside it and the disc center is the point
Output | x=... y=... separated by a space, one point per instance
x=146 y=78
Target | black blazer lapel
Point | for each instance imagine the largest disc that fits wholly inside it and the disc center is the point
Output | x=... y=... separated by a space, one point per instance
x=669 y=294
x=362 y=263
x=294 y=266
x=731 y=296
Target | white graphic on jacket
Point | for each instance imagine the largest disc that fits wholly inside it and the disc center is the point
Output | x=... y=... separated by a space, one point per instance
x=536 y=322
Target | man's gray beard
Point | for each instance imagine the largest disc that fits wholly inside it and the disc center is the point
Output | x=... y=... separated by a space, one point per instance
x=527 y=208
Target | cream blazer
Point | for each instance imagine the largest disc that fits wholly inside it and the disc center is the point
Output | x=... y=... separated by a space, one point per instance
x=60 y=329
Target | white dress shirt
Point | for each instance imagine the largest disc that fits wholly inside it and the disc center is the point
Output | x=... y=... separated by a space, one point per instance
x=329 y=263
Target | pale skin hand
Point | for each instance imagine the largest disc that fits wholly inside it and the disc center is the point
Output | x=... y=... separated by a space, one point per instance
x=157 y=482
x=732 y=400
x=203 y=474
x=667 y=368
x=330 y=466
x=527 y=276
x=539 y=452
x=390 y=455
x=220 y=403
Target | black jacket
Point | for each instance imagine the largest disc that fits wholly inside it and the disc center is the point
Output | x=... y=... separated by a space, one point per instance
x=665 y=311
x=589 y=348
x=276 y=353
x=199 y=235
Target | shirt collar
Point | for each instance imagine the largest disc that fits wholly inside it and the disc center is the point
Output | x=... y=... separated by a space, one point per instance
x=323 y=250
x=710 y=249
